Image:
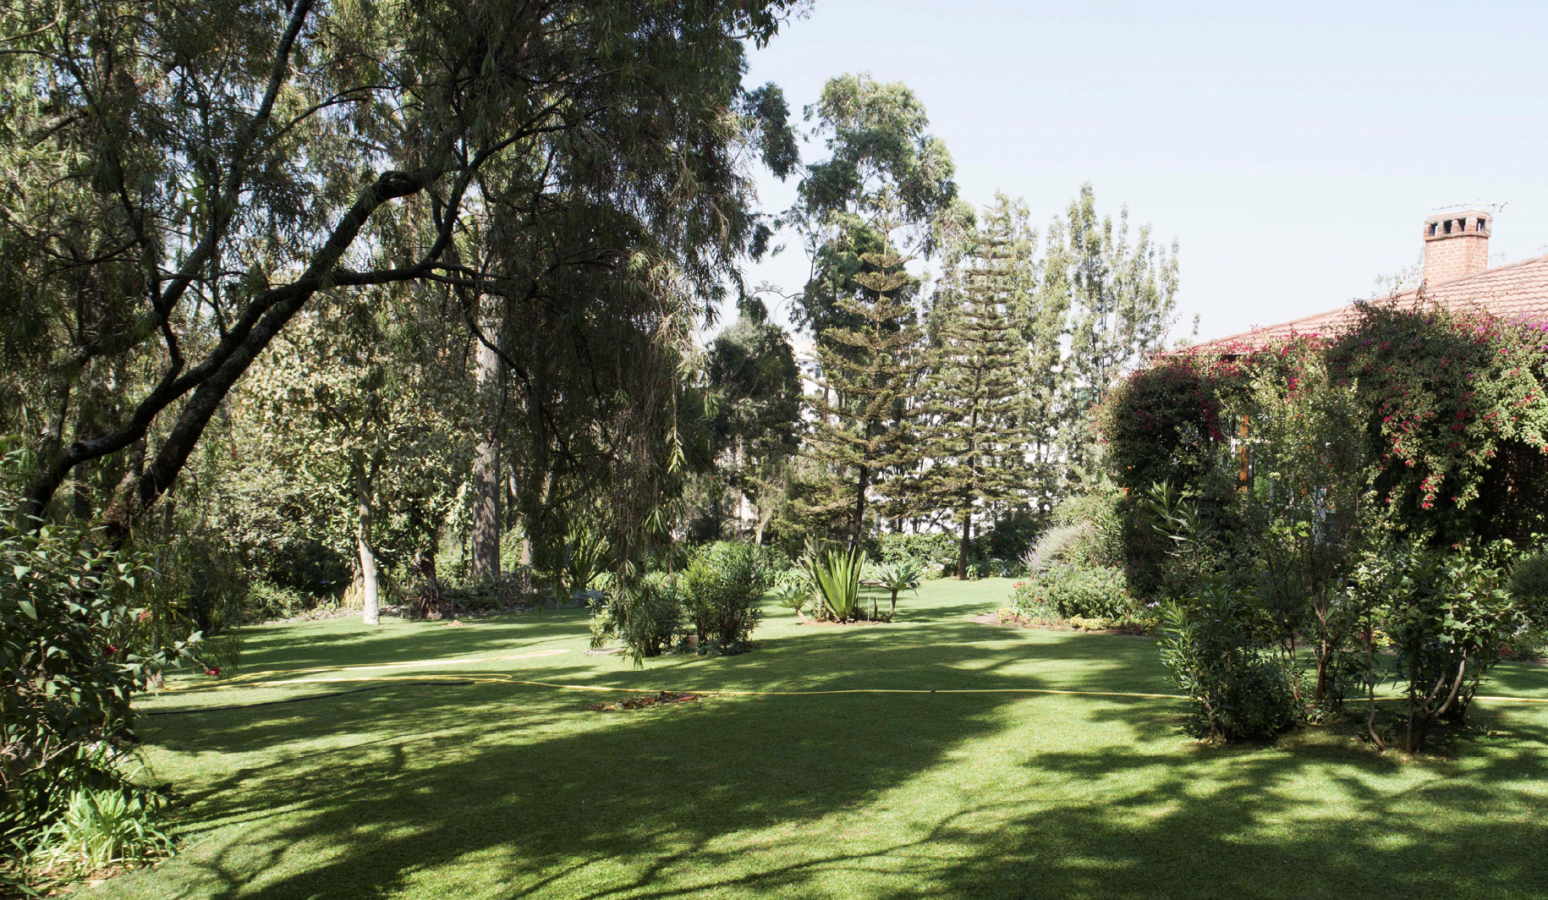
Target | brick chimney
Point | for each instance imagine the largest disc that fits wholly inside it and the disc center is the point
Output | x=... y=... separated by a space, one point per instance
x=1456 y=244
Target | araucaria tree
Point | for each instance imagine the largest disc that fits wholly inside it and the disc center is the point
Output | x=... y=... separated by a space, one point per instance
x=865 y=428
x=979 y=445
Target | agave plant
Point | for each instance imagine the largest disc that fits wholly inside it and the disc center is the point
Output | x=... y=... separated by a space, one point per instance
x=585 y=556
x=837 y=577
x=793 y=594
x=896 y=577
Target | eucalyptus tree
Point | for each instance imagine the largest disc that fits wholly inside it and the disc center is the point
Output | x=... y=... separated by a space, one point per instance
x=882 y=162
x=177 y=183
x=979 y=448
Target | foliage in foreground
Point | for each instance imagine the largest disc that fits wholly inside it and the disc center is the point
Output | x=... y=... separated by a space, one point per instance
x=74 y=651
x=1445 y=615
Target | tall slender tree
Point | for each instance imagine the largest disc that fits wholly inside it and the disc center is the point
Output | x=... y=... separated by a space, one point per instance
x=865 y=421
x=979 y=447
x=881 y=155
x=1121 y=298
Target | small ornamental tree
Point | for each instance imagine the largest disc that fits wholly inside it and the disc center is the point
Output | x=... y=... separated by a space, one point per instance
x=1169 y=424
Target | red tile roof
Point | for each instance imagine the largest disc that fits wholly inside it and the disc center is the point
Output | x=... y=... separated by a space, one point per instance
x=1514 y=291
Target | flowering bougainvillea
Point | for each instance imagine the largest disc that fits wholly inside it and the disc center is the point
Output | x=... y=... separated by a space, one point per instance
x=1455 y=407
x=1458 y=412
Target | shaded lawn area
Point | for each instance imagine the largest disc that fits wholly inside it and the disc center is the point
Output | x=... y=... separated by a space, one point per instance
x=507 y=790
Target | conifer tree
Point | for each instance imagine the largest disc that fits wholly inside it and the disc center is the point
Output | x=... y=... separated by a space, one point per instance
x=864 y=431
x=979 y=446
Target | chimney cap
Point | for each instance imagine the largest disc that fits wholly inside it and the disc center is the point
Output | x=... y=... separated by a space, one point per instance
x=1458 y=220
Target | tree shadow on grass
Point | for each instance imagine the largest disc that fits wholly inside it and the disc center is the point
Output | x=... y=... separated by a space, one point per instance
x=950 y=657
x=1322 y=820
x=516 y=796
x=349 y=643
x=499 y=790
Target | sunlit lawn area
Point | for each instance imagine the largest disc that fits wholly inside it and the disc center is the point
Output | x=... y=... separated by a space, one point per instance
x=504 y=790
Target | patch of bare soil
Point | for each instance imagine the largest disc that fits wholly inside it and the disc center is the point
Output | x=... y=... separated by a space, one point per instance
x=641 y=701
x=994 y=619
x=826 y=623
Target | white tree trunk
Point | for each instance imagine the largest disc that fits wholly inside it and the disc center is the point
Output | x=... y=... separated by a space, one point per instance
x=487 y=484
x=368 y=594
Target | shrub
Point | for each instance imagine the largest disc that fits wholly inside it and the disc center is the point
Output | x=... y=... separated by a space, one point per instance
x=1447 y=614
x=1072 y=590
x=1529 y=583
x=267 y=600
x=1238 y=689
x=721 y=589
x=1030 y=605
x=100 y=828
x=933 y=553
x=1101 y=544
x=1010 y=536
x=647 y=616
x=1056 y=545
x=73 y=652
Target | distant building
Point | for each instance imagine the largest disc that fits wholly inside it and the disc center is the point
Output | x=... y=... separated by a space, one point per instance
x=1456 y=276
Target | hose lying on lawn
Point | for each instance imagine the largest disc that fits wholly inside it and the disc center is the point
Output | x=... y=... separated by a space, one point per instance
x=470 y=678
x=359 y=690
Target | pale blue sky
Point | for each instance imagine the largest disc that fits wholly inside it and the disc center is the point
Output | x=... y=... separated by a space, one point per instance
x=1293 y=149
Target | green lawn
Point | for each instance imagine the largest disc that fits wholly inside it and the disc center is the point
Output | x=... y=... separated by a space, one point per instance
x=505 y=790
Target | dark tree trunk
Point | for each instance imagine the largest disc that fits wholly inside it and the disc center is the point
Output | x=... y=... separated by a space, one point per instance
x=859 y=523
x=962 y=548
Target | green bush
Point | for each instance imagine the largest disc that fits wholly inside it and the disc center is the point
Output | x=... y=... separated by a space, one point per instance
x=935 y=554
x=1075 y=590
x=99 y=829
x=267 y=601
x=1446 y=614
x=1010 y=537
x=1238 y=689
x=74 y=649
x=1529 y=583
x=647 y=616
x=1031 y=605
x=1100 y=540
x=721 y=589
x=1058 y=544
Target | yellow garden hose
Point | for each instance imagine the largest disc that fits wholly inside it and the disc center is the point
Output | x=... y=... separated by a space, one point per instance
x=467 y=678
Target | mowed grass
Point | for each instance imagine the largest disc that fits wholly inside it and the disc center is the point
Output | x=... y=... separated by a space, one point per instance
x=499 y=789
